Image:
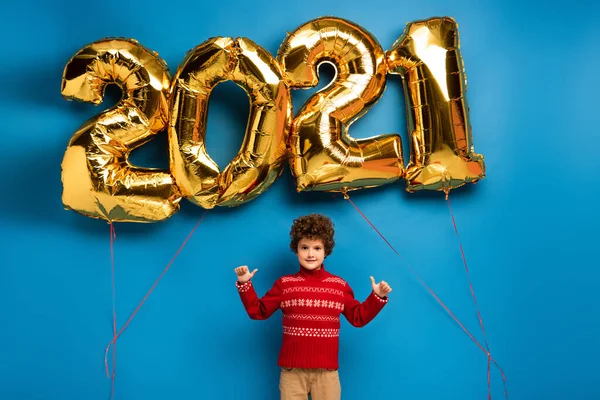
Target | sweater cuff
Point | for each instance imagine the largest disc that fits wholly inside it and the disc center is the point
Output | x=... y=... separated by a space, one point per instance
x=243 y=287
x=380 y=299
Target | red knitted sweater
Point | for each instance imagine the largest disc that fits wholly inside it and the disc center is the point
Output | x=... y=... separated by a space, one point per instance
x=311 y=302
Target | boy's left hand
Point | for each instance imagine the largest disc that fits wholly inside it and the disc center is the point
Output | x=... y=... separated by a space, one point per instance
x=381 y=289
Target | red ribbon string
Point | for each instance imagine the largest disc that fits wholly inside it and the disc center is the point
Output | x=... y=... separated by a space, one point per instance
x=122 y=330
x=113 y=237
x=484 y=349
x=464 y=258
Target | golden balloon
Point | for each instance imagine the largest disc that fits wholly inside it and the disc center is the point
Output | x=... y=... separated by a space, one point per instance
x=260 y=160
x=98 y=180
x=323 y=155
x=442 y=156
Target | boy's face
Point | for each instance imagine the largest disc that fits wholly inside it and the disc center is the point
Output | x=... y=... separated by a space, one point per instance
x=311 y=253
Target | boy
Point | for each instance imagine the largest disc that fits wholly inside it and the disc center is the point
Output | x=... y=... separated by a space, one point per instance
x=311 y=301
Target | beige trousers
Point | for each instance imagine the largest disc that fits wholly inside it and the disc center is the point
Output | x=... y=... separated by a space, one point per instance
x=297 y=383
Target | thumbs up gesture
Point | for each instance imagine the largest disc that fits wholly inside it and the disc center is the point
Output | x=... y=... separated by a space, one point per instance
x=381 y=289
x=244 y=274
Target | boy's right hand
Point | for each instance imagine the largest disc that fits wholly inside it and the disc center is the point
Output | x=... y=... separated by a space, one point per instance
x=244 y=274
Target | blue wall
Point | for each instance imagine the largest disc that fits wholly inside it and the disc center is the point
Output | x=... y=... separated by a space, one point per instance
x=528 y=229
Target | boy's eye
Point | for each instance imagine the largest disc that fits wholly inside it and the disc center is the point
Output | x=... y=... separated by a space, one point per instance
x=317 y=248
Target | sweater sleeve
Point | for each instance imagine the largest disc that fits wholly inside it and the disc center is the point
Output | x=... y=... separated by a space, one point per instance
x=261 y=308
x=360 y=314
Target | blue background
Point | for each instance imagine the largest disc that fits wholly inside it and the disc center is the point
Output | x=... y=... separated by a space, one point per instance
x=528 y=229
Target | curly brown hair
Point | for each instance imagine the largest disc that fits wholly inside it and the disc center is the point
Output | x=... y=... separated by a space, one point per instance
x=313 y=227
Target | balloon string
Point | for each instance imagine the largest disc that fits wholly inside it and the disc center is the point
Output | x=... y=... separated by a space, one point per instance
x=122 y=330
x=464 y=259
x=113 y=237
x=450 y=313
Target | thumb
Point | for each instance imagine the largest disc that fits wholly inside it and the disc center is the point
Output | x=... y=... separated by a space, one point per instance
x=373 y=281
x=253 y=272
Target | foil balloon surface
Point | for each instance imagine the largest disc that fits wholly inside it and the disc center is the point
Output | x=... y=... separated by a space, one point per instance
x=260 y=159
x=323 y=155
x=98 y=180
x=428 y=57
